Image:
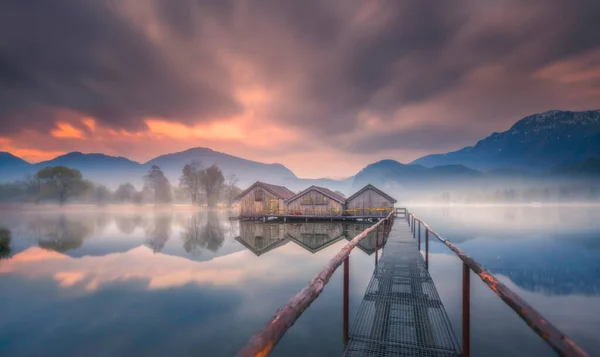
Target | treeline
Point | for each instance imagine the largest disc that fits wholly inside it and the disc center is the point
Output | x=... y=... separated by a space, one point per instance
x=559 y=193
x=197 y=184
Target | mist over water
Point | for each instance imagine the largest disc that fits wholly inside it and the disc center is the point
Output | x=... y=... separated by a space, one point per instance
x=82 y=280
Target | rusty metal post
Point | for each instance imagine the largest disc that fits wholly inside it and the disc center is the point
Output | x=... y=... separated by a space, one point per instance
x=377 y=243
x=427 y=248
x=419 y=245
x=466 y=311
x=345 y=323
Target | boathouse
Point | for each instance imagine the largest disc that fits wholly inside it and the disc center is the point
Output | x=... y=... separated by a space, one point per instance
x=369 y=201
x=263 y=199
x=316 y=201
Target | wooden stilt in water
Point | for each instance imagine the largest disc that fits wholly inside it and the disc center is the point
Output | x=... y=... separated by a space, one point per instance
x=345 y=322
x=466 y=312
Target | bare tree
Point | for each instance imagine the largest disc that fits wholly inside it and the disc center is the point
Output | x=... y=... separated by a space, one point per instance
x=212 y=181
x=231 y=189
x=191 y=180
x=156 y=181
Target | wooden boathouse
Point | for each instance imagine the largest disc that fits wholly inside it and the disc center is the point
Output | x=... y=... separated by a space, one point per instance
x=369 y=201
x=267 y=201
x=316 y=201
x=262 y=199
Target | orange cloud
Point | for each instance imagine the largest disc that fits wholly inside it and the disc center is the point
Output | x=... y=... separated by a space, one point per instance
x=90 y=123
x=28 y=154
x=216 y=130
x=66 y=130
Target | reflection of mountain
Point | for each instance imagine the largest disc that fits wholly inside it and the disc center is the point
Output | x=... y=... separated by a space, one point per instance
x=315 y=236
x=203 y=231
x=260 y=237
x=553 y=281
x=557 y=264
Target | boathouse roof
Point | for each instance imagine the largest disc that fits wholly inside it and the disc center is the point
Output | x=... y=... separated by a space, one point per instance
x=371 y=187
x=279 y=191
x=325 y=191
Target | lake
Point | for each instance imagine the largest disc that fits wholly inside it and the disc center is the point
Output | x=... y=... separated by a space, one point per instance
x=182 y=282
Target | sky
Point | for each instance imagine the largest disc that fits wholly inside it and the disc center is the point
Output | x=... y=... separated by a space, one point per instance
x=323 y=87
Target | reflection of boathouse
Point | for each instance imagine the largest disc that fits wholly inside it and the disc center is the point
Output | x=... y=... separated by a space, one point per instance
x=315 y=236
x=373 y=241
x=260 y=238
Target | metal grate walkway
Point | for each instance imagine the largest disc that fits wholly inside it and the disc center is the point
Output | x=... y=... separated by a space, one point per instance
x=401 y=313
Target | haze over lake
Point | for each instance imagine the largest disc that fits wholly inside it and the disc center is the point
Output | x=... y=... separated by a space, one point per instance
x=178 y=281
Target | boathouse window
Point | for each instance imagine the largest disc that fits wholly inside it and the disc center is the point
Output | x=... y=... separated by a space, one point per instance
x=306 y=200
x=259 y=194
x=321 y=200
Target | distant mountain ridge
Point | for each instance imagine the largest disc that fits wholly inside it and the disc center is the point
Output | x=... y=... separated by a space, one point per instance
x=114 y=170
x=556 y=144
x=391 y=172
x=537 y=142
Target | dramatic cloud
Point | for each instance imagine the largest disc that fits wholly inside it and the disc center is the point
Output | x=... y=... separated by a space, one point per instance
x=270 y=78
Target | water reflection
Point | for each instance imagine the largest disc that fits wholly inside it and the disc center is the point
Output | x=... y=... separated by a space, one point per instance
x=262 y=237
x=201 y=232
x=5 y=237
x=223 y=279
x=157 y=231
x=60 y=233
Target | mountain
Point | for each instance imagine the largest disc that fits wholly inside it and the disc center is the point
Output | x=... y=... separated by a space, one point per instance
x=8 y=160
x=9 y=164
x=390 y=173
x=113 y=170
x=100 y=168
x=537 y=142
x=246 y=170
x=584 y=169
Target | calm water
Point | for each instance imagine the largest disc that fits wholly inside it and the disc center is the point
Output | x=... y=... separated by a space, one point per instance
x=178 y=283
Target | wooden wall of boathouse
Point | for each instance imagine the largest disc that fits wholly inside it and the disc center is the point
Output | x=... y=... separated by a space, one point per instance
x=257 y=204
x=314 y=203
x=369 y=203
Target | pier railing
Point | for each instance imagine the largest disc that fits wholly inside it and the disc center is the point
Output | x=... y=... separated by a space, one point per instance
x=263 y=342
x=560 y=342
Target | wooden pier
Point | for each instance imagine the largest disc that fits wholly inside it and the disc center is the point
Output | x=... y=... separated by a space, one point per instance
x=401 y=313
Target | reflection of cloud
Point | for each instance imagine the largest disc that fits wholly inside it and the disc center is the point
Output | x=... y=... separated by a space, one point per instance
x=159 y=270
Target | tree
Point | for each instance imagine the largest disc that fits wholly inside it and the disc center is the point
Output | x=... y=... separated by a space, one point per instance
x=231 y=189
x=125 y=192
x=340 y=193
x=5 y=237
x=212 y=181
x=191 y=180
x=158 y=184
x=101 y=194
x=64 y=182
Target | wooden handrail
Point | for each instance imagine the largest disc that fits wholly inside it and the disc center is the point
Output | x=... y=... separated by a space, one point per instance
x=560 y=342
x=263 y=342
